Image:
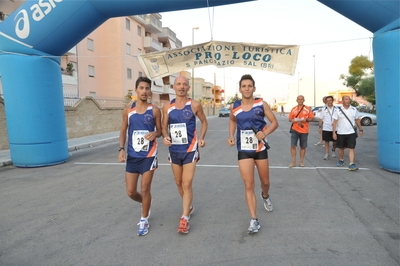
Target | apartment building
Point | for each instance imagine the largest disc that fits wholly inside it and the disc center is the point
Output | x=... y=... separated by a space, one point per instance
x=105 y=63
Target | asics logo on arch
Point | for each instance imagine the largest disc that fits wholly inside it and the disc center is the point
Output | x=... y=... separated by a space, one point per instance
x=38 y=11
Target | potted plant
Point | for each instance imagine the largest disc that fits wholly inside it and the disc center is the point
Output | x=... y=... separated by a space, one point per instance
x=70 y=68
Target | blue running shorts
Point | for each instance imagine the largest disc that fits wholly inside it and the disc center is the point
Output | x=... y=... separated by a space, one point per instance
x=181 y=158
x=141 y=165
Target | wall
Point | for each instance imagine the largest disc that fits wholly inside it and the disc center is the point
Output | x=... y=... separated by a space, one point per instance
x=88 y=118
x=84 y=119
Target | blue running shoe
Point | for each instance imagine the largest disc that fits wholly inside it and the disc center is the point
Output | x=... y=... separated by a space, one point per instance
x=352 y=167
x=340 y=163
x=143 y=227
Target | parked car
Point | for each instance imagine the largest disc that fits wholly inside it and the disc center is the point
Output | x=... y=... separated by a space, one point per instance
x=316 y=111
x=224 y=112
x=366 y=119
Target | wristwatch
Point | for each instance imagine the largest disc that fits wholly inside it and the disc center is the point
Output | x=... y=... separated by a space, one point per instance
x=121 y=148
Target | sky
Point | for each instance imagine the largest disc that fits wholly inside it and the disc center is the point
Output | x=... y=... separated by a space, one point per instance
x=327 y=40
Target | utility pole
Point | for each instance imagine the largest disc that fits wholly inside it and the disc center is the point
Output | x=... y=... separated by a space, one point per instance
x=192 y=87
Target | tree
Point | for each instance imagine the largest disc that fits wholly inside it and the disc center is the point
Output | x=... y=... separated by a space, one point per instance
x=353 y=103
x=361 y=78
x=233 y=99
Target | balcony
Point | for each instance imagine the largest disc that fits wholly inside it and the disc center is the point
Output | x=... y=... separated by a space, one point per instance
x=178 y=43
x=166 y=35
x=152 y=45
x=151 y=22
x=168 y=88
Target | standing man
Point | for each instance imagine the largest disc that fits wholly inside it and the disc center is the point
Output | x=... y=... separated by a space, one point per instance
x=143 y=122
x=282 y=111
x=325 y=126
x=299 y=116
x=320 y=142
x=346 y=122
x=180 y=135
x=246 y=114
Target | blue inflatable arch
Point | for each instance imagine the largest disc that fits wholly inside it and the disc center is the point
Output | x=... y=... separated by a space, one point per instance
x=34 y=36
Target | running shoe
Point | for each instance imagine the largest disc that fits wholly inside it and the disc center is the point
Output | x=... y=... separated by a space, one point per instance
x=333 y=155
x=340 y=163
x=352 y=167
x=326 y=157
x=254 y=226
x=143 y=227
x=267 y=203
x=183 y=226
x=318 y=144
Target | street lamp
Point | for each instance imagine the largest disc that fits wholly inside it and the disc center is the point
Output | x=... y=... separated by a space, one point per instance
x=314 y=83
x=194 y=28
x=298 y=84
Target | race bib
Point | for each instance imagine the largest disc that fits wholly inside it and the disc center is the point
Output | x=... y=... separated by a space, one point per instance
x=139 y=143
x=248 y=140
x=178 y=133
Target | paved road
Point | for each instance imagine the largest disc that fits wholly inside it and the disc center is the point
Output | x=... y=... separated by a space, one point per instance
x=77 y=213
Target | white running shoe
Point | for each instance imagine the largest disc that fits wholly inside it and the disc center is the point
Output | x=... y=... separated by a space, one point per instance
x=267 y=203
x=143 y=227
x=254 y=226
x=326 y=157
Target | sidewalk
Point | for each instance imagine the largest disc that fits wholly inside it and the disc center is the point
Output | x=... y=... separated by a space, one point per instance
x=73 y=145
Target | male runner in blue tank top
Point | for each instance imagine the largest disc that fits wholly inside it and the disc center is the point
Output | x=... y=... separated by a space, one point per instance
x=246 y=114
x=143 y=122
x=180 y=135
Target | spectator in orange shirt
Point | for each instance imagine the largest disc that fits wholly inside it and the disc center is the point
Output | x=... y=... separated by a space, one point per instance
x=299 y=116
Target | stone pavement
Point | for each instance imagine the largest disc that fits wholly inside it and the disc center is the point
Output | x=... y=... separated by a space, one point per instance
x=78 y=213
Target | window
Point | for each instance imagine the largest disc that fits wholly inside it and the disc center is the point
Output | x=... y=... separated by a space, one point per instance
x=139 y=51
x=140 y=74
x=139 y=31
x=91 y=71
x=92 y=94
x=127 y=24
x=129 y=73
x=90 y=44
x=128 y=48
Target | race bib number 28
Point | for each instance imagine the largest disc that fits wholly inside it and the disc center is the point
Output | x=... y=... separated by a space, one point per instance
x=178 y=133
x=248 y=140
x=139 y=142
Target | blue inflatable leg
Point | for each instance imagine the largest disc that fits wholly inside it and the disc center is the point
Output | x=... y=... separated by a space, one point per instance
x=34 y=107
x=387 y=87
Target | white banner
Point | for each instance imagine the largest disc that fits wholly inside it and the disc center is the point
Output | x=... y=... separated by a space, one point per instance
x=269 y=57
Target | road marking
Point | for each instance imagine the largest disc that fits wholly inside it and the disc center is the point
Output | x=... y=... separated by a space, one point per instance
x=235 y=166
